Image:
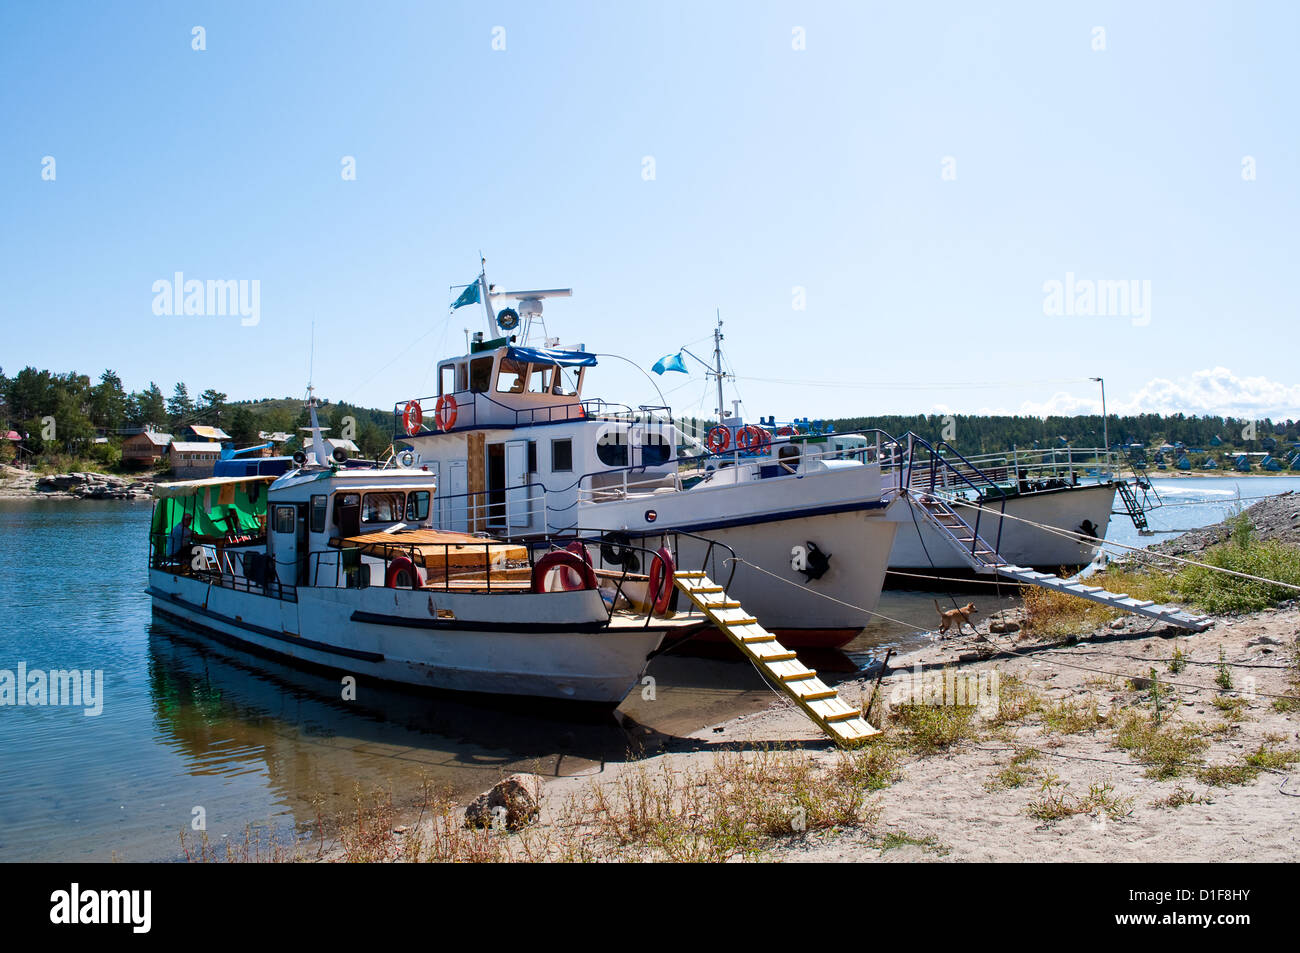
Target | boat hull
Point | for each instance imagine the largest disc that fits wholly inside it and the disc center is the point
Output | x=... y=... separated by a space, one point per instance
x=769 y=524
x=921 y=549
x=410 y=637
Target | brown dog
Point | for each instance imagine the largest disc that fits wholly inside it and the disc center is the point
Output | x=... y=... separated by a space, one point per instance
x=959 y=616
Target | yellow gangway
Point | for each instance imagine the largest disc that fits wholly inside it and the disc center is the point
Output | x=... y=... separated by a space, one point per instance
x=843 y=723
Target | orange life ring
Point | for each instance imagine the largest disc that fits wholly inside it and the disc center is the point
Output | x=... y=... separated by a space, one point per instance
x=662 y=571
x=718 y=439
x=571 y=566
x=786 y=432
x=752 y=439
x=399 y=566
x=412 y=417
x=445 y=412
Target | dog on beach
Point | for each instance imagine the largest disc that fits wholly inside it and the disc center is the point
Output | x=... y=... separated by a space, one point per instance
x=959 y=617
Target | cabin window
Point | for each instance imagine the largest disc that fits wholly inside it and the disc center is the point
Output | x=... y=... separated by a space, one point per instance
x=566 y=384
x=532 y=456
x=381 y=507
x=462 y=376
x=447 y=380
x=611 y=448
x=540 y=380
x=562 y=455
x=655 y=450
x=343 y=501
x=480 y=375
x=318 y=507
x=513 y=377
x=417 y=506
x=284 y=519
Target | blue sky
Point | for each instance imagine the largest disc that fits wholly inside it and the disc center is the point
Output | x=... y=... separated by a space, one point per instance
x=775 y=169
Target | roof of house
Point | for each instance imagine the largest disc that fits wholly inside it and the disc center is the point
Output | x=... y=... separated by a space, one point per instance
x=185 y=446
x=155 y=438
x=276 y=437
x=211 y=433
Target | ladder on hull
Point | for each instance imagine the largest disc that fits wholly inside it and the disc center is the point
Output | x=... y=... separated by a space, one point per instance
x=982 y=558
x=1132 y=507
x=845 y=724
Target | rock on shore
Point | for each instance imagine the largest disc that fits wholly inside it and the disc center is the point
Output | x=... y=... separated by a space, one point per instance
x=92 y=486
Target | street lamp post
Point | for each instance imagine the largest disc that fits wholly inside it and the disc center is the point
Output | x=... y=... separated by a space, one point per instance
x=1105 y=424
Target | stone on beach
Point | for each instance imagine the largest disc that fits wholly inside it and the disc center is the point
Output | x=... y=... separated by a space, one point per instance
x=513 y=802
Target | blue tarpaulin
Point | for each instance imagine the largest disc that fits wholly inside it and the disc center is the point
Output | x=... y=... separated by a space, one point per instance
x=552 y=355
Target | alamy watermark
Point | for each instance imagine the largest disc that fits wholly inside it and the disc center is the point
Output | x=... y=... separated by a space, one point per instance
x=182 y=296
x=38 y=688
x=1102 y=297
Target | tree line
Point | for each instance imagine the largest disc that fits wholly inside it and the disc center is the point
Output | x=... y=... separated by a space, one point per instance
x=64 y=413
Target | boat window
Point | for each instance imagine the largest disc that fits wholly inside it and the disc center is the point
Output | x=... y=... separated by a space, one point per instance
x=284 y=519
x=562 y=455
x=566 y=382
x=343 y=501
x=540 y=380
x=480 y=375
x=655 y=450
x=382 y=507
x=611 y=448
x=512 y=377
x=447 y=379
x=318 y=505
x=532 y=456
x=417 y=506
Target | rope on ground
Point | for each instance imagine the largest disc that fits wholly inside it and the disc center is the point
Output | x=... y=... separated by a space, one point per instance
x=1010 y=650
x=1083 y=537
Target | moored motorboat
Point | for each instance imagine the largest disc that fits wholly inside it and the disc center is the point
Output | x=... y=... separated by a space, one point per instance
x=340 y=568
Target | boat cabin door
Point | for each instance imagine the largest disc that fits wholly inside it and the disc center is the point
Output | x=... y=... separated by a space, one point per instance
x=288 y=541
x=456 y=514
x=517 y=503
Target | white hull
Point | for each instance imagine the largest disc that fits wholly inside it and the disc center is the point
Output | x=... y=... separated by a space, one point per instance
x=919 y=547
x=517 y=652
x=765 y=522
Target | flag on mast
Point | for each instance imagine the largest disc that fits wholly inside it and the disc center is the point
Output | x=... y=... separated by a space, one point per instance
x=468 y=296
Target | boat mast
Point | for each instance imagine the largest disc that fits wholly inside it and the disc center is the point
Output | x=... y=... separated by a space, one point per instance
x=717 y=367
x=486 y=298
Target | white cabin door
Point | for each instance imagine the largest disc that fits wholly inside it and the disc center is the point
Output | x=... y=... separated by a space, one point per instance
x=284 y=542
x=456 y=514
x=517 y=514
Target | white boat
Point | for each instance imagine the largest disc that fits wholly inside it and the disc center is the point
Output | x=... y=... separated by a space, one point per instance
x=520 y=451
x=339 y=568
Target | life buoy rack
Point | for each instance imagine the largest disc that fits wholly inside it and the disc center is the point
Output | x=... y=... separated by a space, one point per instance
x=718 y=439
x=412 y=417
x=445 y=412
x=753 y=439
x=399 y=568
x=575 y=573
x=662 y=570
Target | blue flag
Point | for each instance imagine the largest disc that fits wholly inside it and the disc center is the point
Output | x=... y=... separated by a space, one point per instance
x=468 y=296
x=670 y=362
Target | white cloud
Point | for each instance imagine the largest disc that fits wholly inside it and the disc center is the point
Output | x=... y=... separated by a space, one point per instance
x=1213 y=391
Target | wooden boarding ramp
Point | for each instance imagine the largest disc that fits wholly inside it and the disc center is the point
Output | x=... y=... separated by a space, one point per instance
x=843 y=723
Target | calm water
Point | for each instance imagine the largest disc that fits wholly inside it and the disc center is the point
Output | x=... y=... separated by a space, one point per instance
x=188 y=724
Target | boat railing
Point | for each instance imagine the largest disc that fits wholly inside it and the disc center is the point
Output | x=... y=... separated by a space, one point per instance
x=216 y=566
x=507 y=567
x=481 y=409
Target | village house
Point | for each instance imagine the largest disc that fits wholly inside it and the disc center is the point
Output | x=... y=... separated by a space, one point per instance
x=145 y=449
x=192 y=460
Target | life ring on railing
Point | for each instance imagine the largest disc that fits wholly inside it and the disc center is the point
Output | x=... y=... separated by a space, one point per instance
x=718 y=439
x=578 y=549
x=412 y=417
x=445 y=412
x=575 y=572
x=402 y=574
x=752 y=439
x=662 y=571
x=786 y=432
